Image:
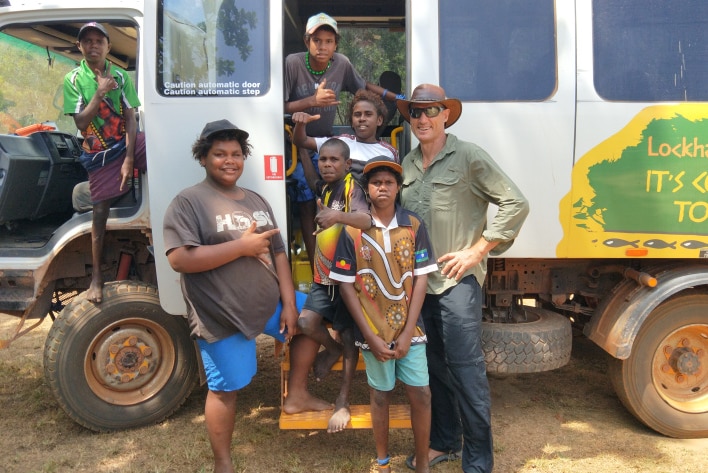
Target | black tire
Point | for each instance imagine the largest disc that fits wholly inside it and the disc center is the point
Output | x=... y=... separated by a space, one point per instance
x=120 y=364
x=664 y=382
x=542 y=343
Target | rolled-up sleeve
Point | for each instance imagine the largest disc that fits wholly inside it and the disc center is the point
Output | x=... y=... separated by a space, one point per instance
x=513 y=208
x=493 y=185
x=453 y=198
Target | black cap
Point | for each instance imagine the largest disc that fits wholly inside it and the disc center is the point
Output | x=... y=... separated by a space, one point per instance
x=95 y=26
x=382 y=162
x=221 y=125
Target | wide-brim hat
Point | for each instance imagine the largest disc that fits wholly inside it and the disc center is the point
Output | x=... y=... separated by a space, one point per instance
x=321 y=19
x=93 y=26
x=426 y=94
x=382 y=162
x=221 y=125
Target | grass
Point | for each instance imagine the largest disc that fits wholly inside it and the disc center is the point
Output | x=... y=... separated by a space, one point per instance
x=567 y=420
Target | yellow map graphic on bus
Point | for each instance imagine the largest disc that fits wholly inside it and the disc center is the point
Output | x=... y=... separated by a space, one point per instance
x=643 y=191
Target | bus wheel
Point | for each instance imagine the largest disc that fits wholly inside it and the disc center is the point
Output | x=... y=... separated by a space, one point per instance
x=122 y=363
x=541 y=342
x=664 y=382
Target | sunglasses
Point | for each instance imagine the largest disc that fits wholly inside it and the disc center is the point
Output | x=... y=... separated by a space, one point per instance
x=430 y=112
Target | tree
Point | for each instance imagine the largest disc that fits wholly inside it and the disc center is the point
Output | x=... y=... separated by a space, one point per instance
x=372 y=51
x=234 y=23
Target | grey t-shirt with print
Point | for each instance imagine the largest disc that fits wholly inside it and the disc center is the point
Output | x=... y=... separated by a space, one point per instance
x=239 y=296
x=301 y=83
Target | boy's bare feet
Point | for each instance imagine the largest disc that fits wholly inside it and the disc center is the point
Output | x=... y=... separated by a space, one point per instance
x=225 y=467
x=95 y=291
x=295 y=403
x=339 y=420
x=324 y=362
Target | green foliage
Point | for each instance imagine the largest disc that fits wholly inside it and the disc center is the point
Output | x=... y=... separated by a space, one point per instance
x=31 y=86
x=225 y=67
x=234 y=23
x=5 y=104
x=371 y=51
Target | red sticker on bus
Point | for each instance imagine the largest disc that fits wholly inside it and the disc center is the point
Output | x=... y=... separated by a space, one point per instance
x=274 y=168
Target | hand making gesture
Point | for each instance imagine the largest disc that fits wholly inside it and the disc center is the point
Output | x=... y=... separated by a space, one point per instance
x=105 y=81
x=325 y=217
x=325 y=97
x=258 y=244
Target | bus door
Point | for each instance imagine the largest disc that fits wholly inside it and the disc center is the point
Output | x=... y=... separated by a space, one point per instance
x=209 y=60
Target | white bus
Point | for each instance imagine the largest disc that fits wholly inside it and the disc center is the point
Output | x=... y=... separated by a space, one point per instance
x=598 y=109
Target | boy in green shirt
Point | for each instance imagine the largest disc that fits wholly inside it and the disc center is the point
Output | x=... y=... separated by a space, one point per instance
x=102 y=99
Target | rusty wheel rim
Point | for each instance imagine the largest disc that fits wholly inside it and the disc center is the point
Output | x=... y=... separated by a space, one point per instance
x=129 y=361
x=679 y=370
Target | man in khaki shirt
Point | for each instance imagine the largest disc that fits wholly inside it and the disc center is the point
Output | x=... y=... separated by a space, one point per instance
x=450 y=184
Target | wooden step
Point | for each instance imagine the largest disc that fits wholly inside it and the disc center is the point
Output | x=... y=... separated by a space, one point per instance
x=399 y=418
x=399 y=414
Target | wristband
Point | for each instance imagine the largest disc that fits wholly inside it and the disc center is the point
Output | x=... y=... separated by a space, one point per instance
x=400 y=97
x=384 y=461
x=383 y=94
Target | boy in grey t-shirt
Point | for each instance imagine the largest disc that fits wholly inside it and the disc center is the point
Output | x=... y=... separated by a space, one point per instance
x=215 y=233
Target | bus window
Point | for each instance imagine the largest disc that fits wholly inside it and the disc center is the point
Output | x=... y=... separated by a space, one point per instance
x=650 y=50
x=213 y=48
x=49 y=50
x=497 y=51
x=28 y=98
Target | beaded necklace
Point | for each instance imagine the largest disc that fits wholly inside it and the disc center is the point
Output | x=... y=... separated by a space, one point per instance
x=309 y=68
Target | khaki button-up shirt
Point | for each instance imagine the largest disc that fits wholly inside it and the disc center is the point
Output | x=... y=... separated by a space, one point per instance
x=452 y=196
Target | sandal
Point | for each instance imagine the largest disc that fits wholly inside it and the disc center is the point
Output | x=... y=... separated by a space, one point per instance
x=445 y=457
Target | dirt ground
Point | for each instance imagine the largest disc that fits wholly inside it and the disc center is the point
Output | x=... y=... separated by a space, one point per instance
x=568 y=420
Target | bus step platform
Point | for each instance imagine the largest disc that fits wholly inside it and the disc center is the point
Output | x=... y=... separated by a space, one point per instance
x=399 y=414
x=399 y=418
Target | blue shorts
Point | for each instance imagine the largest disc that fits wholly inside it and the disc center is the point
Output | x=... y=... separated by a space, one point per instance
x=230 y=363
x=300 y=190
x=272 y=327
x=411 y=369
